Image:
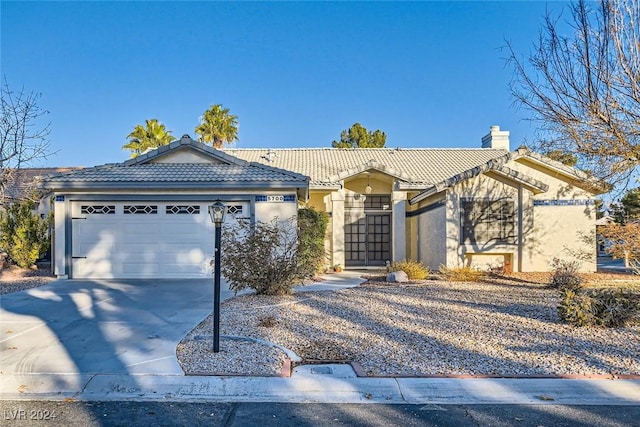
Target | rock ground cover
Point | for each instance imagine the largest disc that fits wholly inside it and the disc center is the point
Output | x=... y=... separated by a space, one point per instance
x=502 y=327
x=15 y=279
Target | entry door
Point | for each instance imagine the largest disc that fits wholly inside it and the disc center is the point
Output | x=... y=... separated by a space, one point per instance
x=378 y=238
x=367 y=239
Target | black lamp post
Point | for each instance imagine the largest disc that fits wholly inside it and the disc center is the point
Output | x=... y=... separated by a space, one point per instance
x=217 y=212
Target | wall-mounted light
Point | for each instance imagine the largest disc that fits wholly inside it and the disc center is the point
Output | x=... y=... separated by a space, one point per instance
x=368 y=188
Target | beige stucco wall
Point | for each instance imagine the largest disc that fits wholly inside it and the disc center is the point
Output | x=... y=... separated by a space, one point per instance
x=480 y=256
x=544 y=232
x=268 y=211
x=431 y=244
x=566 y=232
x=185 y=156
x=412 y=238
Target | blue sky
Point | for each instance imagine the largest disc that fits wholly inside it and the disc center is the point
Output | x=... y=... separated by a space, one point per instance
x=429 y=74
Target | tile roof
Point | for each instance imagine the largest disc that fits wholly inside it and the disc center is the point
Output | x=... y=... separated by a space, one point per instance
x=326 y=166
x=17 y=184
x=141 y=172
x=173 y=175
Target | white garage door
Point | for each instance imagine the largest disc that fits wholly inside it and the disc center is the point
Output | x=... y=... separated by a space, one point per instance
x=144 y=239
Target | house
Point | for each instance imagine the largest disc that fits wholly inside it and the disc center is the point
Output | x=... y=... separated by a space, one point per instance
x=147 y=217
x=22 y=184
x=603 y=244
x=453 y=207
x=17 y=185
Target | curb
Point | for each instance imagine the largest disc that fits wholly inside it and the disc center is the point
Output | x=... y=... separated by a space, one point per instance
x=360 y=373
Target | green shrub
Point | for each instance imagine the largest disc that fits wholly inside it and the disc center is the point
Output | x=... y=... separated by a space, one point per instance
x=565 y=275
x=312 y=228
x=461 y=274
x=415 y=269
x=263 y=257
x=23 y=235
x=605 y=307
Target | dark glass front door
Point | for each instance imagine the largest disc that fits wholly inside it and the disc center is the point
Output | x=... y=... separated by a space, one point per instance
x=367 y=239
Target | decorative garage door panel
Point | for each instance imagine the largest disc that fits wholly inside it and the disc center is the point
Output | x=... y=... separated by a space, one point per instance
x=143 y=239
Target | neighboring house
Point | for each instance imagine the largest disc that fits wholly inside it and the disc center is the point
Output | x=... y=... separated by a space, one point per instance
x=147 y=217
x=23 y=184
x=452 y=207
x=603 y=244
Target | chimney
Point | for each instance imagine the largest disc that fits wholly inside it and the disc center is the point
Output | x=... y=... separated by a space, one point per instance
x=496 y=139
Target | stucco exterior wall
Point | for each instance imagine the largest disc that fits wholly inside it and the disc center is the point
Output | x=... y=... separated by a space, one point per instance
x=431 y=240
x=480 y=255
x=563 y=222
x=558 y=223
x=412 y=238
x=267 y=211
x=185 y=156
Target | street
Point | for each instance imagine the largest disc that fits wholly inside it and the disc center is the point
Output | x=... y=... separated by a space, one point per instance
x=132 y=413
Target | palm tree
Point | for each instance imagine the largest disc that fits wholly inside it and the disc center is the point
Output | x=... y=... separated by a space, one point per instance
x=217 y=126
x=142 y=139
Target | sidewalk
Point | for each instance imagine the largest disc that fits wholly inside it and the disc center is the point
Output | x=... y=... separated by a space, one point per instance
x=325 y=384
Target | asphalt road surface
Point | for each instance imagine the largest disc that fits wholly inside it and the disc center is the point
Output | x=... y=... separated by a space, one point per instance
x=130 y=413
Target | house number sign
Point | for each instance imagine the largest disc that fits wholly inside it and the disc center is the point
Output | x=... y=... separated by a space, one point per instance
x=275 y=199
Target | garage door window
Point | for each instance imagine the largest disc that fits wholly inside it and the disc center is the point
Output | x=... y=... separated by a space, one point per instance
x=98 y=209
x=141 y=209
x=235 y=210
x=182 y=209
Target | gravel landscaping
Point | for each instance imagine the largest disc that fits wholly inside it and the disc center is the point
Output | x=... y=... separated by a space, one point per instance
x=496 y=328
x=14 y=279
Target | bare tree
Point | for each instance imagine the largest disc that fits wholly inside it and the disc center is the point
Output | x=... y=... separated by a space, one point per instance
x=23 y=135
x=583 y=89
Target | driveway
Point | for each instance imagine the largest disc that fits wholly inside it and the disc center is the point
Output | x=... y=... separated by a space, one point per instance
x=72 y=327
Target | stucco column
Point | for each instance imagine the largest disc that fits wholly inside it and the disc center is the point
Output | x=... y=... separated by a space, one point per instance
x=399 y=225
x=337 y=220
x=59 y=244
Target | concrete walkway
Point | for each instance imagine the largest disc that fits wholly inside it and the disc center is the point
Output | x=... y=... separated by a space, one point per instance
x=129 y=353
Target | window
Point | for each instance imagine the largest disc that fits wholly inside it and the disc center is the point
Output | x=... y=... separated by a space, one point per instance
x=140 y=209
x=98 y=209
x=182 y=209
x=487 y=221
x=377 y=202
x=235 y=210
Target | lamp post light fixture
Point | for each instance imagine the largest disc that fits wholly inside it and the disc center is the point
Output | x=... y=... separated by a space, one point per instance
x=217 y=212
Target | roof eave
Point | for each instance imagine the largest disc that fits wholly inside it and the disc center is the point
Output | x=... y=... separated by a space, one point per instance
x=580 y=178
x=130 y=185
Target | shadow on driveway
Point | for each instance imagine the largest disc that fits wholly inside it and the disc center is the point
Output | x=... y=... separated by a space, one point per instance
x=71 y=329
